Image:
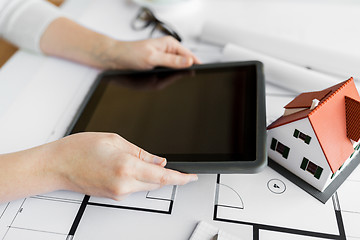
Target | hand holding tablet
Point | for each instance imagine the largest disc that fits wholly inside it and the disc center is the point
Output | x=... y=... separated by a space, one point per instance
x=204 y=119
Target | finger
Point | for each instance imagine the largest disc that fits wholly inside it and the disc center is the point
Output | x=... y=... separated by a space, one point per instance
x=150 y=158
x=171 y=60
x=179 y=49
x=143 y=155
x=173 y=55
x=196 y=60
x=183 y=51
x=158 y=175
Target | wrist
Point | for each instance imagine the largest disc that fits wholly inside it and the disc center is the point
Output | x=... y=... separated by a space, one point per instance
x=26 y=173
x=42 y=166
x=68 y=39
x=54 y=165
x=107 y=53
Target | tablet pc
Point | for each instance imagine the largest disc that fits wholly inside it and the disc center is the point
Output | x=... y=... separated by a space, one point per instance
x=208 y=118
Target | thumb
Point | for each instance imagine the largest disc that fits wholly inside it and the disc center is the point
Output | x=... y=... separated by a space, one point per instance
x=151 y=158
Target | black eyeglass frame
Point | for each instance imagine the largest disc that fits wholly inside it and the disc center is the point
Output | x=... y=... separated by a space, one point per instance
x=152 y=20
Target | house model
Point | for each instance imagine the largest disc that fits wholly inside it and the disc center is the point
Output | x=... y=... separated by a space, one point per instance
x=318 y=134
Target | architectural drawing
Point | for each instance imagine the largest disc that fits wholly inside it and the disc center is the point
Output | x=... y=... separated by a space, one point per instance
x=56 y=215
x=227 y=197
x=160 y=201
x=263 y=206
x=47 y=216
x=282 y=208
x=349 y=198
x=3 y=209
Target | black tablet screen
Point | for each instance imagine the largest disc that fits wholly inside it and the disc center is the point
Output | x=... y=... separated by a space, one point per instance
x=184 y=115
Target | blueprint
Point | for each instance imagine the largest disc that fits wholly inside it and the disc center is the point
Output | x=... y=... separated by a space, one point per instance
x=255 y=206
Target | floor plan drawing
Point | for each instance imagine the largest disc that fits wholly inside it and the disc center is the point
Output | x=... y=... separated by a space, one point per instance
x=259 y=206
x=47 y=216
x=56 y=215
x=349 y=198
x=3 y=208
x=227 y=197
x=159 y=201
x=281 y=208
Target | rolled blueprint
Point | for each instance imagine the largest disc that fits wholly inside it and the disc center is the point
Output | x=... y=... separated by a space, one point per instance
x=318 y=58
x=282 y=73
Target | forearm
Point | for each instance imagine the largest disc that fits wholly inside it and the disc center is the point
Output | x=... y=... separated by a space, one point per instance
x=26 y=173
x=68 y=39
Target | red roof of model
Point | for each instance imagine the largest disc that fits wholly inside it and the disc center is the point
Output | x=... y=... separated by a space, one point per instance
x=352 y=108
x=304 y=100
x=328 y=119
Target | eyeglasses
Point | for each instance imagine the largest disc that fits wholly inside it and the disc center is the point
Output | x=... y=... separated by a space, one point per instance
x=146 y=18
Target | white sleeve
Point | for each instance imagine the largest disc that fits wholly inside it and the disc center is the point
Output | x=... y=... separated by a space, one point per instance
x=22 y=22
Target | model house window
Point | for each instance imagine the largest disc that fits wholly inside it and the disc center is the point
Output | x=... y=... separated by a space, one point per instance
x=280 y=148
x=302 y=136
x=311 y=168
x=357 y=147
x=341 y=167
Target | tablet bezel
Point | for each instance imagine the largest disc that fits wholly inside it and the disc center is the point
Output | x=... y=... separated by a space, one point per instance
x=211 y=166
